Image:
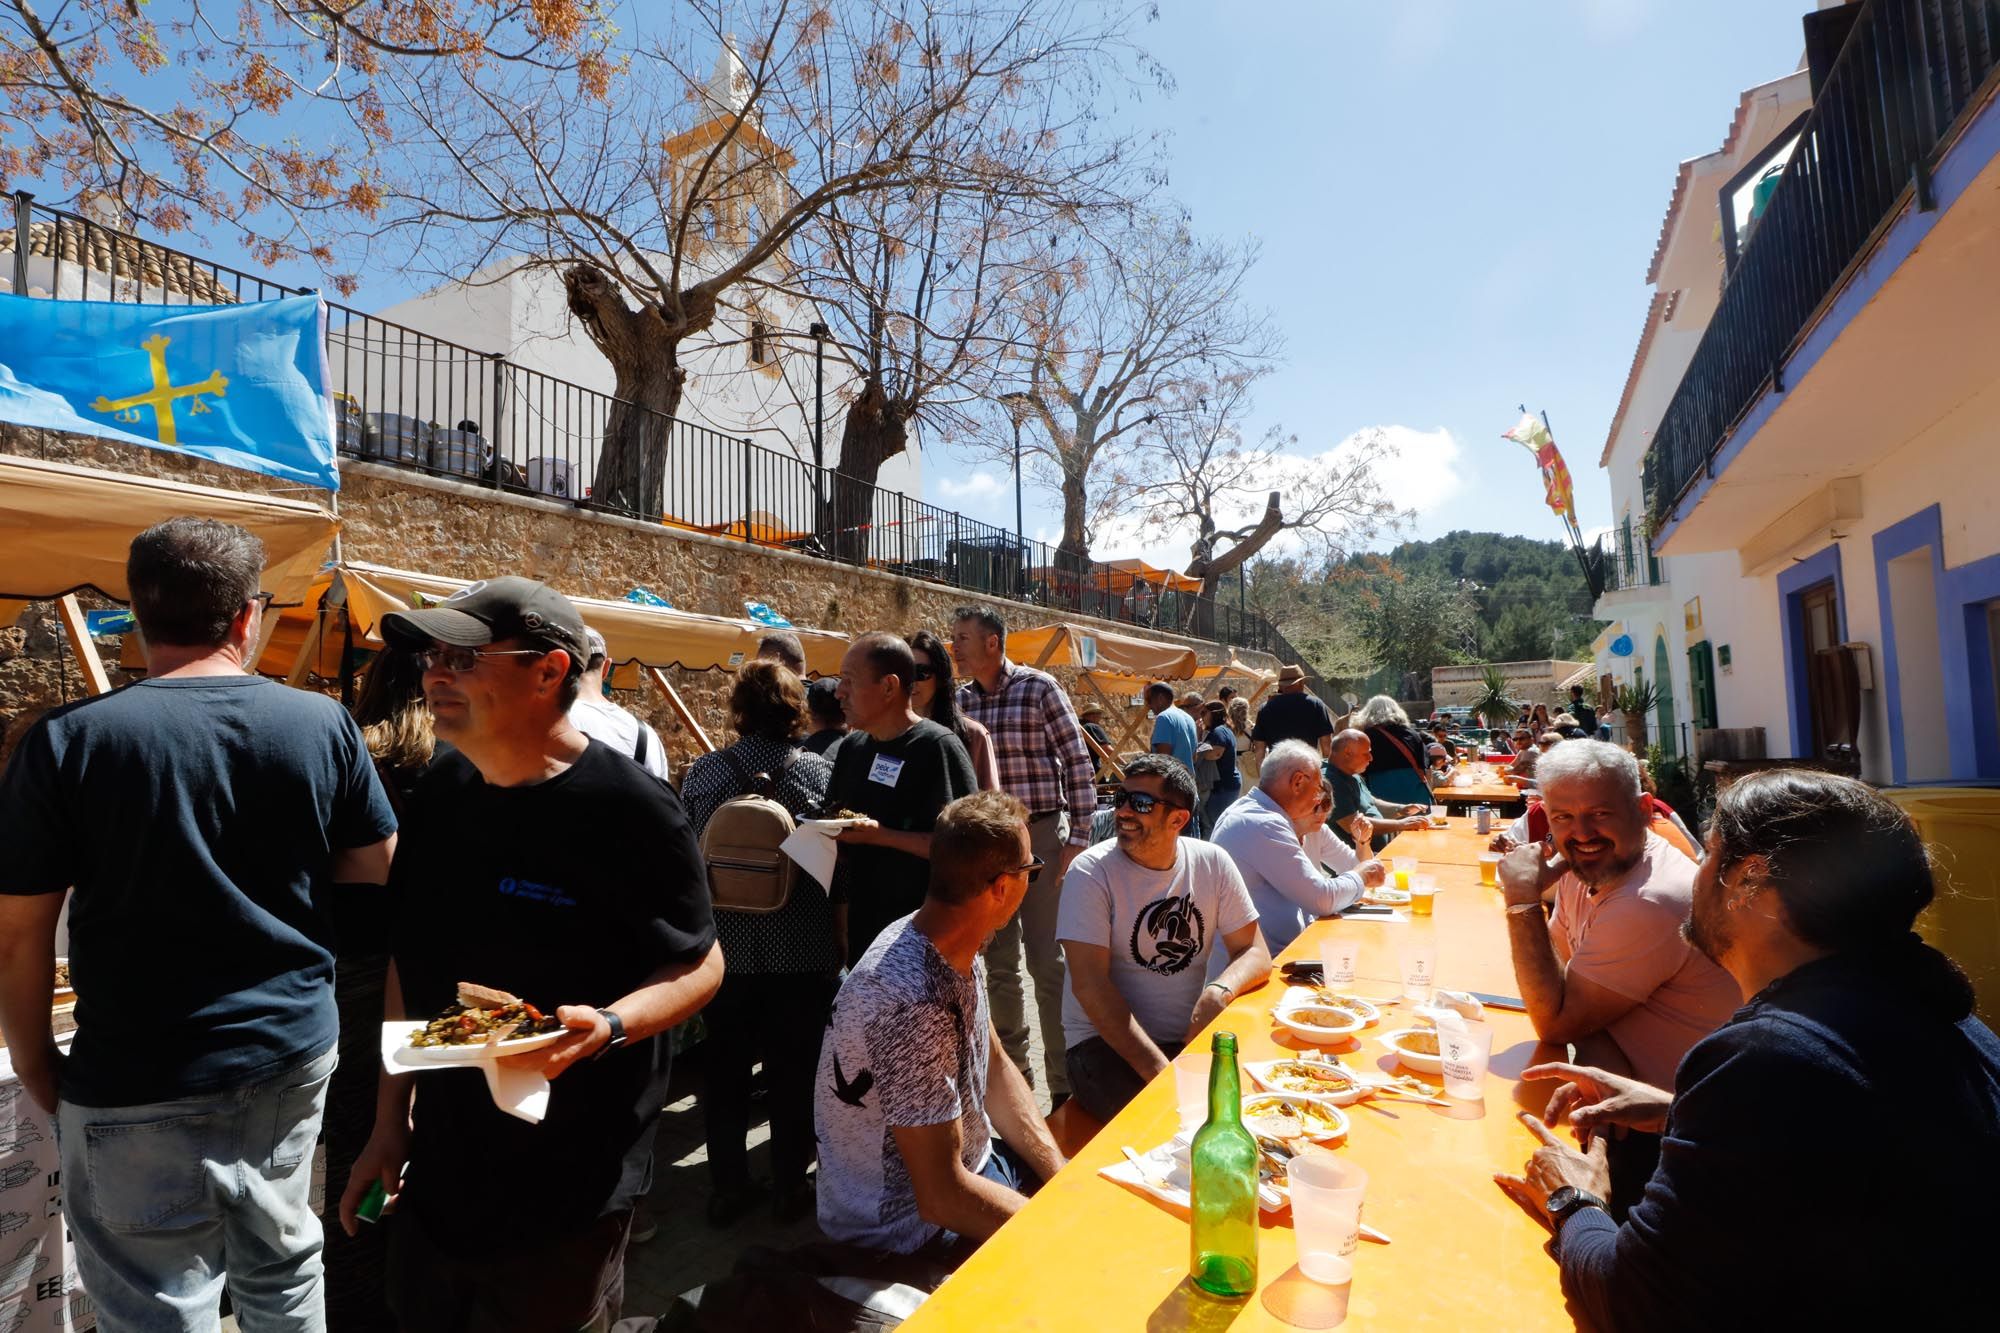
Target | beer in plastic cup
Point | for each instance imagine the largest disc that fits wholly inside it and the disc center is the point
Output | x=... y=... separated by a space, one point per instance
x=1337 y=961
x=1423 y=894
x=1489 y=869
x=1463 y=1050
x=1326 y=1214
x=1439 y=817
x=1404 y=867
x=1418 y=956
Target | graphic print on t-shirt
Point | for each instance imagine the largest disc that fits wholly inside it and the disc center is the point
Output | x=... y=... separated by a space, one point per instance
x=851 y=1090
x=1167 y=935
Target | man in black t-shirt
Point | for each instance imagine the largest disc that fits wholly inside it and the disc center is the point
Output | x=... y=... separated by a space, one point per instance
x=900 y=771
x=505 y=1224
x=1585 y=715
x=1292 y=715
x=211 y=824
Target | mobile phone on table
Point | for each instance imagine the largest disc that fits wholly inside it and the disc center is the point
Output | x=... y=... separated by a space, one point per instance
x=1500 y=1001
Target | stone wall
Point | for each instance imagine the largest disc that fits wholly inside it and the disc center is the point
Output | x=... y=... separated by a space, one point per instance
x=396 y=518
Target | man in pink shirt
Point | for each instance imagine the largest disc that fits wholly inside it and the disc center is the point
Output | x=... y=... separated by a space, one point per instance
x=1611 y=971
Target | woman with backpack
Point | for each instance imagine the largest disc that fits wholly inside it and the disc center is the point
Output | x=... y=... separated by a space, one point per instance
x=934 y=694
x=782 y=965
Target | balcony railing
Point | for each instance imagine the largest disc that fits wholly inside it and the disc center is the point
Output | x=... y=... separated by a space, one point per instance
x=1626 y=562
x=406 y=399
x=1908 y=75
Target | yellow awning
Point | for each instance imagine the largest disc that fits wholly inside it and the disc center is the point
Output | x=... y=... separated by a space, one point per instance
x=1101 y=650
x=1248 y=679
x=633 y=633
x=64 y=528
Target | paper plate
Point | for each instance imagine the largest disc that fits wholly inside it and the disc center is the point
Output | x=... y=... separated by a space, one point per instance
x=473 y=1054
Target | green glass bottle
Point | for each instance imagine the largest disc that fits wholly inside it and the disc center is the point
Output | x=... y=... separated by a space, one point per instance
x=1224 y=1185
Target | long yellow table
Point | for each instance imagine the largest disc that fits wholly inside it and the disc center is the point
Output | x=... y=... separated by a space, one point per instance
x=1457 y=844
x=1086 y=1253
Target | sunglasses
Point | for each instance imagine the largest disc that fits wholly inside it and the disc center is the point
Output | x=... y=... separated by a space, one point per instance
x=467 y=659
x=1142 y=803
x=1033 y=868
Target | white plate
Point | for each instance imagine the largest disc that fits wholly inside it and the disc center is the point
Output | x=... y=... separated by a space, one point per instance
x=1423 y=1064
x=1261 y=1072
x=471 y=1054
x=1166 y=1178
x=1385 y=896
x=1296 y=997
x=1287 y=1019
x=1327 y=1104
x=828 y=826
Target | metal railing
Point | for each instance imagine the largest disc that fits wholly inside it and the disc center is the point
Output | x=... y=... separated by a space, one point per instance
x=1626 y=562
x=407 y=399
x=1908 y=74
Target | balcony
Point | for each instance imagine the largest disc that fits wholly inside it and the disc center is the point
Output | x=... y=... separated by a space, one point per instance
x=1632 y=574
x=1783 y=402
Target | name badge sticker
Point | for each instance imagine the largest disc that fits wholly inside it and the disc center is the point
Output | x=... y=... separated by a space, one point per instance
x=885 y=770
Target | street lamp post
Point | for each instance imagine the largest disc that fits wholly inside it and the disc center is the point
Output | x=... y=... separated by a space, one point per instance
x=819 y=332
x=1016 y=403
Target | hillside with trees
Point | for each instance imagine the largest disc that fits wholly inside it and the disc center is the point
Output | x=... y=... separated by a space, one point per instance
x=1368 y=620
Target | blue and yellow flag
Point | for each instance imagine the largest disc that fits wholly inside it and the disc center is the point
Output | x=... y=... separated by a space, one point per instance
x=242 y=385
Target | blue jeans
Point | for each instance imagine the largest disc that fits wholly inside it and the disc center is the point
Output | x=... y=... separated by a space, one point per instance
x=166 y=1202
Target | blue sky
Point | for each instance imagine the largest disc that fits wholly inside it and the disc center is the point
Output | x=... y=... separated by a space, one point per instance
x=1457 y=201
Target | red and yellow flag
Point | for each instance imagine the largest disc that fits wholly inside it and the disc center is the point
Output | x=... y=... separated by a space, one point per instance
x=1533 y=435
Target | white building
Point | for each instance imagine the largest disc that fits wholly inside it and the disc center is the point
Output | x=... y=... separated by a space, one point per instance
x=753 y=375
x=1802 y=464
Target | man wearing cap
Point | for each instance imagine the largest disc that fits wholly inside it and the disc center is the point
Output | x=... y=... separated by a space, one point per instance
x=611 y=935
x=597 y=716
x=1292 y=714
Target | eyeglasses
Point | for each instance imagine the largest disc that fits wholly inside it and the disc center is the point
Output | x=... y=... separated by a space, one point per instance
x=263 y=599
x=466 y=659
x=1142 y=803
x=1033 y=868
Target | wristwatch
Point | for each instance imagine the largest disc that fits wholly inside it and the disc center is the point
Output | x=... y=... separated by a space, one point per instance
x=617 y=1030
x=1567 y=1199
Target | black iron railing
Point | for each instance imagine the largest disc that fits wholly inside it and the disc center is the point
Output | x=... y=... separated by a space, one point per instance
x=1907 y=76
x=1626 y=562
x=407 y=399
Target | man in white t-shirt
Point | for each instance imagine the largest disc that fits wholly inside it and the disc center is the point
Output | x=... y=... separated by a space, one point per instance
x=603 y=721
x=913 y=1082
x=1139 y=920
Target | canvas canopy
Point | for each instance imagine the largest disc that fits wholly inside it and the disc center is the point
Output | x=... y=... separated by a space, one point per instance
x=64 y=529
x=1101 y=650
x=633 y=633
x=1208 y=679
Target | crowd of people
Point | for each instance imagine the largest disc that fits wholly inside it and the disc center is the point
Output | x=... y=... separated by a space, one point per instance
x=289 y=877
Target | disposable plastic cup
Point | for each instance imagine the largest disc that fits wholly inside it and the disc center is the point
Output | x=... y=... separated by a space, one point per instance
x=1418 y=957
x=1440 y=816
x=1191 y=1088
x=1404 y=867
x=1423 y=894
x=1489 y=869
x=1337 y=961
x=1326 y=1214
x=1463 y=1051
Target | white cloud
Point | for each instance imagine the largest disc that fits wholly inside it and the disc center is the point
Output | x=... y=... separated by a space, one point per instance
x=974 y=486
x=1421 y=471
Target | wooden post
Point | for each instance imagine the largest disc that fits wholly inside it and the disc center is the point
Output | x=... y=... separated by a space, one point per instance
x=1127 y=730
x=1105 y=756
x=266 y=629
x=1056 y=640
x=681 y=710
x=95 y=679
x=308 y=652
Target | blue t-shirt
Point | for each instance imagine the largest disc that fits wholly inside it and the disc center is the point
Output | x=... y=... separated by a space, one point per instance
x=1227 y=776
x=197 y=820
x=1174 y=727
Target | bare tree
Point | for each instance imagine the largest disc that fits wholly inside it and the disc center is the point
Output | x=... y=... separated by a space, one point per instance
x=1112 y=331
x=1198 y=475
x=699 y=180
x=262 y=115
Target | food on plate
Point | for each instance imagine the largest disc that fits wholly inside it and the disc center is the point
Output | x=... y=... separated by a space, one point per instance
x=1275 y=1115
x=483 y=1016
x=1306 y=1076
x=1347 y=1004
x=62 y=976
x=1417 y=1042
x=1386 y=896
x=1341 y=1019
x=1274 y=1161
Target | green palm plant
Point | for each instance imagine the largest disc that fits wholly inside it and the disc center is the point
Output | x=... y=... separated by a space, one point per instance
x=1493 y=707
x=1640 y=697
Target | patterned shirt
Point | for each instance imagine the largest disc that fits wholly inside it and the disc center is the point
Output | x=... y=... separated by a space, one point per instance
x=907 y=1047
x=1044 y=761
x=798 y=937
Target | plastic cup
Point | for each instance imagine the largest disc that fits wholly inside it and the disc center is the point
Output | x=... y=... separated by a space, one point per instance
x=1463 y=1050
x=1418 y=957
x=1337 y=961
x=1423 y=894
x=1404 y=867
x=1489 y=869
x=1191 y=1088
x=1326 y=1214
x=1440 y=816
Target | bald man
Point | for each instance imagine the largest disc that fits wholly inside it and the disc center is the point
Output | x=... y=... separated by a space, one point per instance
x=1351 y=752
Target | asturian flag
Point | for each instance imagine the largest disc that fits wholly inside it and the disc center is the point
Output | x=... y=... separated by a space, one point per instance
x=241 y=385
x=1533 y=435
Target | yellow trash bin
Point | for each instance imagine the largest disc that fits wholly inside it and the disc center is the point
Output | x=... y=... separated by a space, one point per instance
x=1962 y=827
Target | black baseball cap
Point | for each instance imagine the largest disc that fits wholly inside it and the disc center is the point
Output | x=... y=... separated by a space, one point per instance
x=490 y=610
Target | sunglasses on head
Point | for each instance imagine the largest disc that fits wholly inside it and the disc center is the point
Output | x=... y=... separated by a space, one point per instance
x=1143 y=803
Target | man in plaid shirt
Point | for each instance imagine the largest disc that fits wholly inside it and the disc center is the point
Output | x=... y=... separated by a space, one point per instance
x=1045 y=764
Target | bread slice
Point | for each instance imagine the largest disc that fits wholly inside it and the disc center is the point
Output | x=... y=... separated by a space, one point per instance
x=484 y=997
